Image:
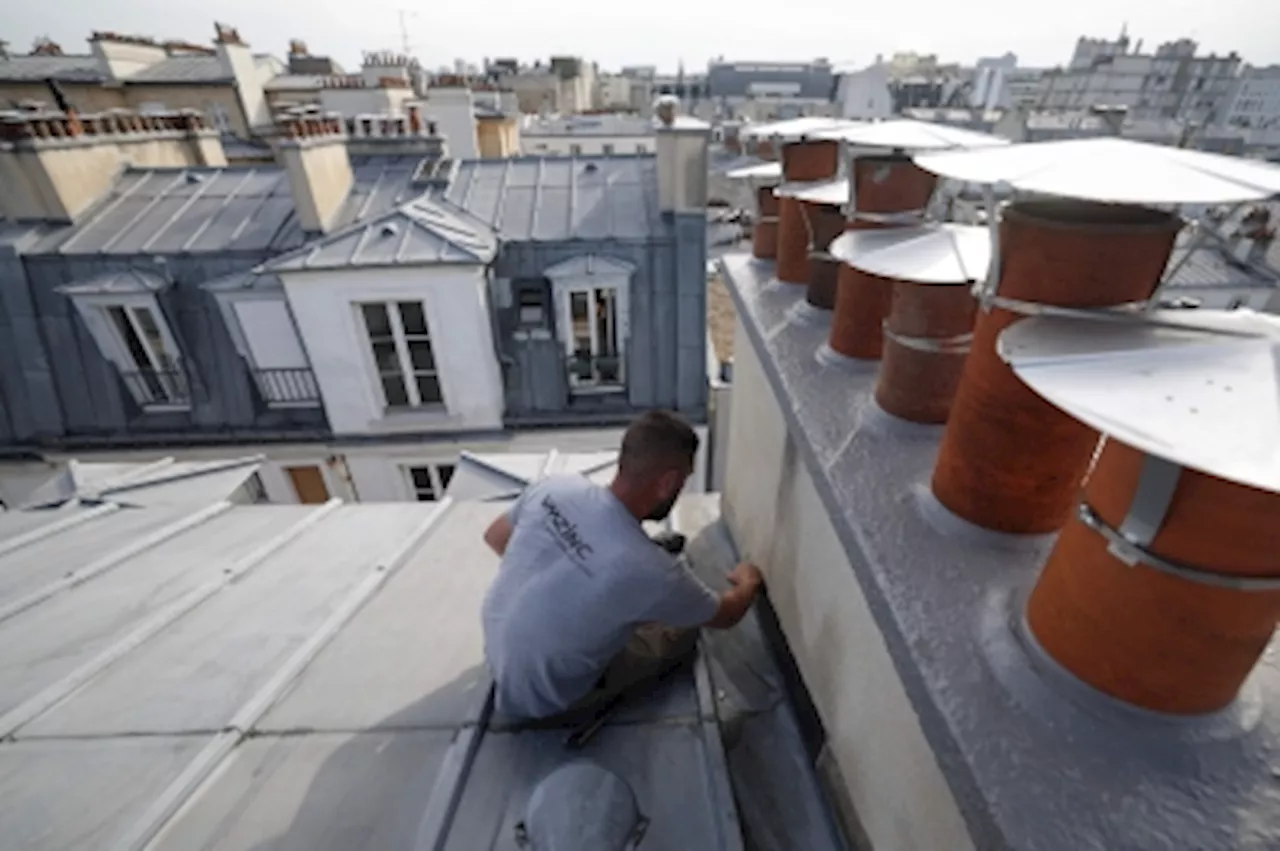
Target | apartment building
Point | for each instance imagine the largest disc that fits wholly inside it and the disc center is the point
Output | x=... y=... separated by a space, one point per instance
x=359 y=313
x=1172 y=82
x=225 y=81
x=576 y=135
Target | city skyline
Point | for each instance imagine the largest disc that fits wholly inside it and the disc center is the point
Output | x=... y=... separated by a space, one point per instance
x=613 y=37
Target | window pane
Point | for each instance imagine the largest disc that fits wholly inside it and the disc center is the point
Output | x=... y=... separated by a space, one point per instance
x=421 y=477
x=375 y=319
x=412 y=318
x=384 y=355
x=579 y=310
x=606 y=322
x=446 y=474
x=429 y=389
x=151 y=333
x=129 y=337
x=393 y=387
x=420 y=355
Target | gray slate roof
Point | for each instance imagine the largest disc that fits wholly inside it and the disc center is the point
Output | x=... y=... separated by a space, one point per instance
x=533 y=199
x=80 y=69
x=421 y=231
x=234 y=209
x=321 y=668
x=183 y=69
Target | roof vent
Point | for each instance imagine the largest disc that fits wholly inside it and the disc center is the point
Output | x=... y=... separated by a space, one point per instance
x=590 y=168
x=581 y=807
x=389 y=229
x=194 y=177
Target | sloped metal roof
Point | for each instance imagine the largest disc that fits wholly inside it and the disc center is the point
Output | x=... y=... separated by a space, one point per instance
x=294 y=82
x=216 y=210
x=312 y=677
x=183 y=69
x=532 y=199
x=160 y=482
x=121 y=282
x=421 y=231
x=78 y=69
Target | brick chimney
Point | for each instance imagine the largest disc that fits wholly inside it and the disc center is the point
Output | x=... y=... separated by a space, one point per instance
x=410 y=134
x=888 y=190
x=822 y=211
x=313 y=151
x=1009 y=460
x=681 y=146
x=1163 y=588
x=121 y=56
x=53 y=166
x=803 y=160
x=930 y=270
x=238 y=63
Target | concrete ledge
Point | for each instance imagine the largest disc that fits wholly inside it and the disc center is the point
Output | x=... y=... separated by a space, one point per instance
x=951 y=728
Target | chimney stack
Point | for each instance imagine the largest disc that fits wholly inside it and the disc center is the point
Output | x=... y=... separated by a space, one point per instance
x=681 y=147
x=930 y=323
x=314 y=153
x=1009 y=460
x=804 y=160
x=53 y=166
x=1163 y=588
x=888 y=190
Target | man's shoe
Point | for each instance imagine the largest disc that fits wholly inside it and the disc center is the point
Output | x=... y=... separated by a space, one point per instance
x=672 y=542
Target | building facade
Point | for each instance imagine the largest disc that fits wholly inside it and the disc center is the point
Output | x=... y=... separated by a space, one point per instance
x=579 y=135
x=1255 y=101
x=359 y=312
x=225 y=81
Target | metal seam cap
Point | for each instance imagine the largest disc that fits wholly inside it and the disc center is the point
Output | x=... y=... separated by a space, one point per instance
x=1164 y=589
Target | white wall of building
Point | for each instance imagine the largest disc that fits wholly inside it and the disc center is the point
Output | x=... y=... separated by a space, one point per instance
x=584 y=144
x=865 y=94
x=324 y=305
x=453 y=110
x=371 y=101
x=1255 y=101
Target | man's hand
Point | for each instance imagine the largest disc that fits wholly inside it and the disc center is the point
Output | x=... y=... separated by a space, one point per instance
x=746 y=580
x=746 y=575
x=498 y=535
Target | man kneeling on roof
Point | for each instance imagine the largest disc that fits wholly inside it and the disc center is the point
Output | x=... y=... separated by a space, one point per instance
x=586 y=607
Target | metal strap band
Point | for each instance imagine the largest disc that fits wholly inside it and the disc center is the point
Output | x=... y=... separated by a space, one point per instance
x=1034 y=308
x=767 y=220
x=822 y=255
x=1156 y=483
x=1134 y=553
x=904 y=217
x=957 y=345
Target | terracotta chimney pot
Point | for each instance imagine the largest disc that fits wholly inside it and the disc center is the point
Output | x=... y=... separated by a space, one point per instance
x=824 y=222
x=1009 y=460
x=805 y=160
x=926 y=339
x=1145 y=636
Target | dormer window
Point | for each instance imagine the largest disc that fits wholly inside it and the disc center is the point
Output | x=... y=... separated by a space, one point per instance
x=592 y=297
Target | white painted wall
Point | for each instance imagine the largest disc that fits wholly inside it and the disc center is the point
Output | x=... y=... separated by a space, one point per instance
x=778 y=520
x=323 y=305
x=864 y=94
x=562 y=145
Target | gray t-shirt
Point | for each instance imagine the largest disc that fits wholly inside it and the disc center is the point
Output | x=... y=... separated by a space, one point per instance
x=578 y=576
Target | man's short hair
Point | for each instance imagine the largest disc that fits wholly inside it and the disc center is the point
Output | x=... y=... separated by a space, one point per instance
x=655 y=442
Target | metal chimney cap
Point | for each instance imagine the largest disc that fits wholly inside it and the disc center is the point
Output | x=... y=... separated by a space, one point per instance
x=1200 y=388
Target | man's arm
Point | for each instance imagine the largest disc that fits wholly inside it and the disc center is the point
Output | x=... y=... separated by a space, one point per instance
x=498 y=535
x=746 y=580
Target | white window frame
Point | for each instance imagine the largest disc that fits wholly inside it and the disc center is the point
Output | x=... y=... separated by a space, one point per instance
x=94 y=310
x=590 y=274
x=438 y=484
x=392 y=306
x=227 y=302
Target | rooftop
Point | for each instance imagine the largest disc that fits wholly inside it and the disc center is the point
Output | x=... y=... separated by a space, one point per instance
x=36 y=69
x=183 y=70
x=232 y=209
x=312 y=677
x=561 y=198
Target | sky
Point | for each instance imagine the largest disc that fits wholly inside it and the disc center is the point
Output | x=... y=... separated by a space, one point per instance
x=665 y=32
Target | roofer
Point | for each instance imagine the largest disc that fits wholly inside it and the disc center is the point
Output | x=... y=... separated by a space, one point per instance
x=585 y=606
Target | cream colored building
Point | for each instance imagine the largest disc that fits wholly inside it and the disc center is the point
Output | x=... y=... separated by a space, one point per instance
x=225 y=81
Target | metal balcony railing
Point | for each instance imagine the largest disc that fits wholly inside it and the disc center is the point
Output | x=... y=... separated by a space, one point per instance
x=293 y=386
x=154 y=388
x=595 y=371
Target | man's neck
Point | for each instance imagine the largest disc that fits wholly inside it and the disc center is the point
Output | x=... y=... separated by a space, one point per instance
x=629 y=497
